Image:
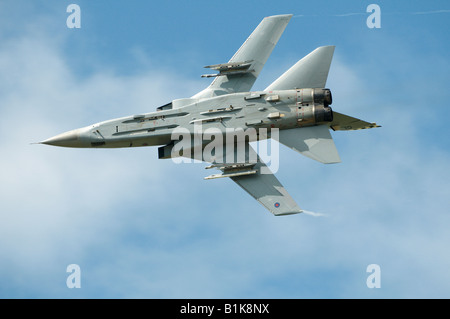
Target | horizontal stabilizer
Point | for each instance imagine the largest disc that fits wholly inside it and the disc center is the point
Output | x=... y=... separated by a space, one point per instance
x=314 y=142
x=309 y=72
x=342 y=122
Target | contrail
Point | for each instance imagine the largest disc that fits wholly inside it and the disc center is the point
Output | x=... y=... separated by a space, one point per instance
x=431 y=12
x=349 y=14
x=313 y=213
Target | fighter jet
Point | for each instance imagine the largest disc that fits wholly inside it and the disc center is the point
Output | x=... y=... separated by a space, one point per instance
x=294 y=109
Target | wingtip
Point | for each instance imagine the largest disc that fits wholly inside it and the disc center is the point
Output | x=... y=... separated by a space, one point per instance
x=289 y=213
x=327 y=47
x=280 y=16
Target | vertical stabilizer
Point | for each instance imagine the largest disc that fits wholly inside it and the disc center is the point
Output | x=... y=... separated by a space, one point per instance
x=309 y=72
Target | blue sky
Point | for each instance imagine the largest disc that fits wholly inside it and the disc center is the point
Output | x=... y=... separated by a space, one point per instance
x=140 y=227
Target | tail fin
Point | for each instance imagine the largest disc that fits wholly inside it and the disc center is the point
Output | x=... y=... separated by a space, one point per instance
x=309 y=72
x=313 y=141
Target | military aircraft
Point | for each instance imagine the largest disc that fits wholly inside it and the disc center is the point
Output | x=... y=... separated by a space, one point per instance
x=294 y=109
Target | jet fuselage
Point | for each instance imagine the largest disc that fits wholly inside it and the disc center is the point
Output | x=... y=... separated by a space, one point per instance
x=284 y=109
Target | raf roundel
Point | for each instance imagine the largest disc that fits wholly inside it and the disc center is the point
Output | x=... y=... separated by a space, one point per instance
x=277 y=205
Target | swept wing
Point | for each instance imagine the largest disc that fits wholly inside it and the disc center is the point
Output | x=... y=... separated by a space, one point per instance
x=241 y=72
x=257 y=180
x=252 y=175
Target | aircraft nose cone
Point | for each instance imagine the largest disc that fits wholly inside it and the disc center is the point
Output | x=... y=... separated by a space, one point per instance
x=67 y=139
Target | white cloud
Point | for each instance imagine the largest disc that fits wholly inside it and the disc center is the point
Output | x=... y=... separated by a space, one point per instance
x=56 y=202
